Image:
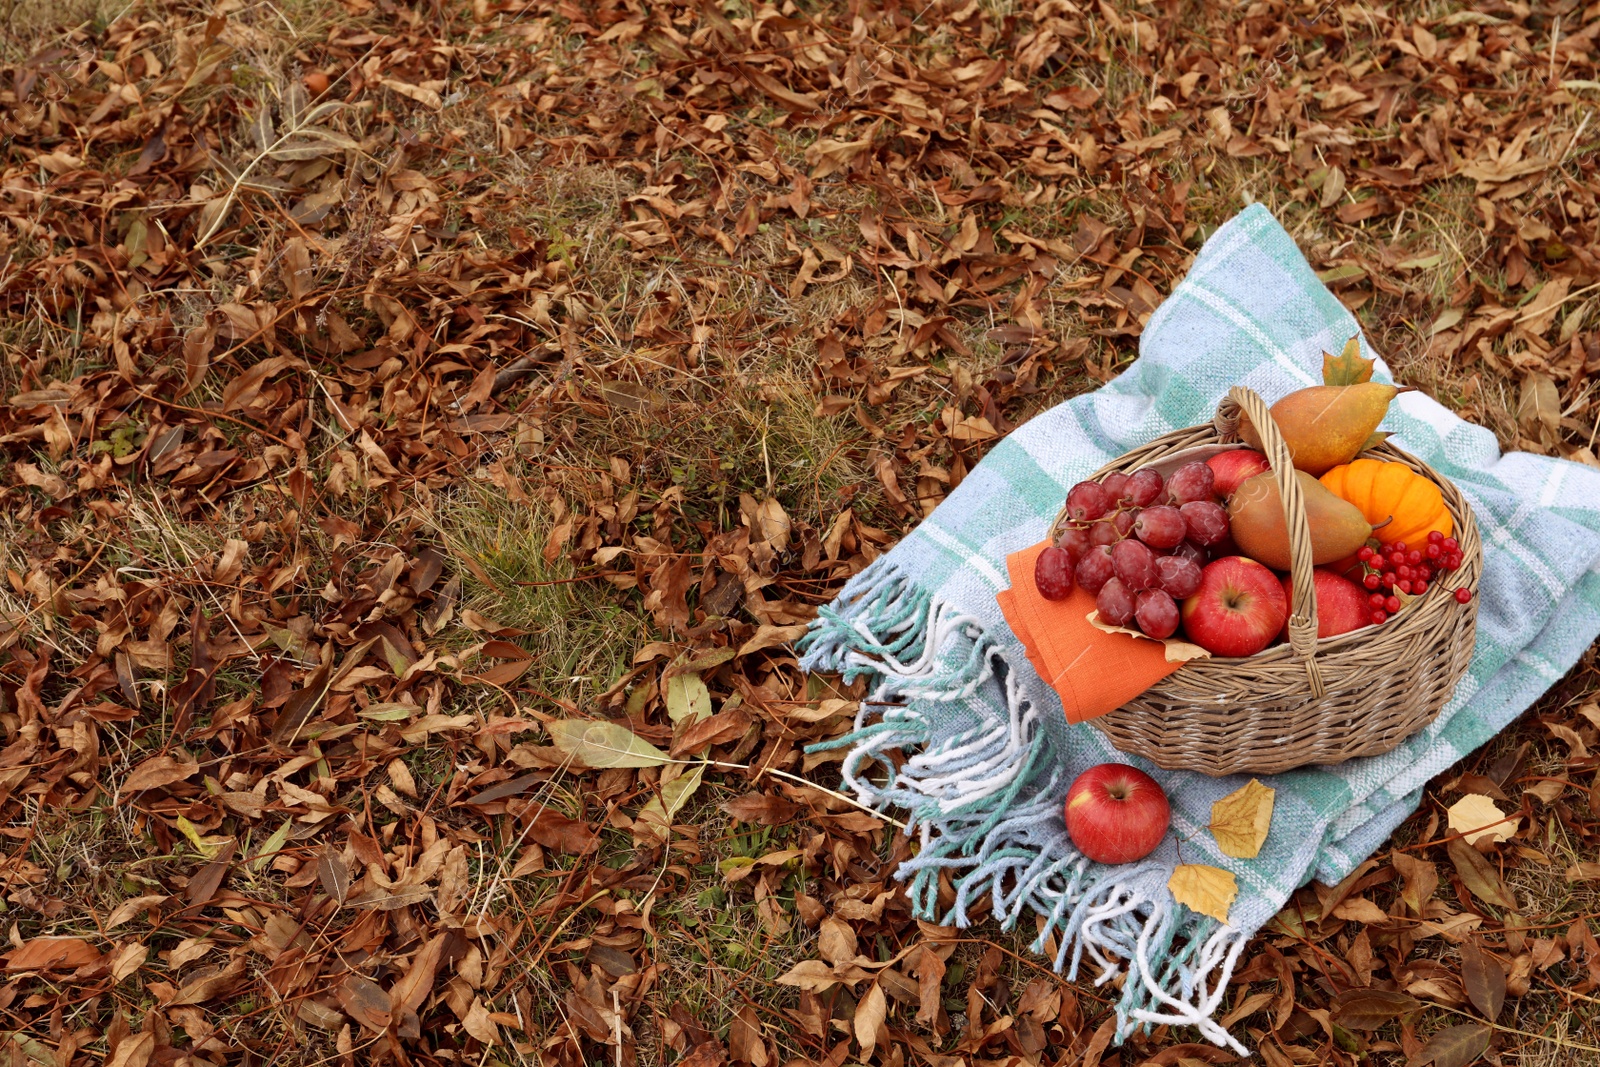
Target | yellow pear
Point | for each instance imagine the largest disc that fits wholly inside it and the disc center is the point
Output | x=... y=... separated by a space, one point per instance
x=1326 y=425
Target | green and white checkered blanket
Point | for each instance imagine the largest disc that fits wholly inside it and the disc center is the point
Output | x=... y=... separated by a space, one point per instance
x=990 y=752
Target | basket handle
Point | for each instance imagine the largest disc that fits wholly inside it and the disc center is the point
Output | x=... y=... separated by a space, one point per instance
x=1303 y=606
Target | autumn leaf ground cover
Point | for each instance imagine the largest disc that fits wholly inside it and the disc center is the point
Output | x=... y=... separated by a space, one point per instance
x=388 y=387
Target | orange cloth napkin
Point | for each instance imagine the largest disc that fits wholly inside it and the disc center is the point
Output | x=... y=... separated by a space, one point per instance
x=1093 y=672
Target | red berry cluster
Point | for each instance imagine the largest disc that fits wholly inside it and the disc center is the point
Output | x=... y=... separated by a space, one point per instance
x=1396 y=568
x=1137 y=542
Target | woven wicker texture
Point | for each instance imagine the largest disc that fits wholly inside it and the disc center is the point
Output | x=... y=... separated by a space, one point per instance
x=1307 y=701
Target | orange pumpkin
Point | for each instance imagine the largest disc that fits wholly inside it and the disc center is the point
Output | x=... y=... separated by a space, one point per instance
x=1401 y=504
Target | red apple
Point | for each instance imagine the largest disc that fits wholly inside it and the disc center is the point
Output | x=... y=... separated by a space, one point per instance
x=1238 y=610
x=1232 y=468
x=1341 y=604
x=1116 y=813
x=1350 y=567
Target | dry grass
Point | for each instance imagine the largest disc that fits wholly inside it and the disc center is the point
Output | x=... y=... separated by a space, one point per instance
x=30 y=26
x=581 y=634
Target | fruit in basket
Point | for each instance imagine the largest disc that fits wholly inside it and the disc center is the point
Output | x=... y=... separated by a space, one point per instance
x=1450 y=549
x=1205 y=522
x=1156 y=613
x=1075 y=542
x=1116 y=486
x=1329 y=424
x=1238 y=609
x=1255 y=517
x=1086 y=502
x=1342 y=605
x=1326 y=425
x=1116 y=813
x=1144 y=487
x=1397 y=567
x=1232 y=468
x=1094 y=569
x=1162 y=526
x=1401 y=504
x=1177 y=576
x=1115 y=603
x=1114 y=528
x=1192 y=481
x=1134 y=563
x=1193 y=552
x=1052 y=573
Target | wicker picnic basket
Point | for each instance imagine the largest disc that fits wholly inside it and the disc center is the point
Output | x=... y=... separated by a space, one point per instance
x=1304 y=701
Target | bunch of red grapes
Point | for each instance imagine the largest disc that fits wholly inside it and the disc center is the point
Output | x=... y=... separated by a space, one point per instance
x=1397 y=568
x=1137 y=542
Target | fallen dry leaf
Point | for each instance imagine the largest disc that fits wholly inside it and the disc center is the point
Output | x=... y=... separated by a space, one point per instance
x=51 y=954
x=871 y=1012
x=1241 y=820
x=133 y=907
x=1205 y=889
x=604 y=744
x=764 y=809
x=688 y=700
x=744 y=1039
x=158 y=771
x=1454 y=1046
x=1479 y=875
x=813 y=976
x=1484 y=979
x=1368 y=1009
x=836 y=941
x=1361 y=910
x=134 y=1050
x=480 y=1025
x=127 y=959
x=1476 y=817
x=654 y=821
x=1583 y=871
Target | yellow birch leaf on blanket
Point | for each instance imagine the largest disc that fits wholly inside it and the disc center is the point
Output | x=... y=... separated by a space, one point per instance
x=1240 y=821
x=1475 y=816
x=1208 y=890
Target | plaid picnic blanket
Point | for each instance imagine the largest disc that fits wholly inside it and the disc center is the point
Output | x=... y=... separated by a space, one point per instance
x=990 y=755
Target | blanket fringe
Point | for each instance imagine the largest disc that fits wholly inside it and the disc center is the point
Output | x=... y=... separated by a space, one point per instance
x=985 y=805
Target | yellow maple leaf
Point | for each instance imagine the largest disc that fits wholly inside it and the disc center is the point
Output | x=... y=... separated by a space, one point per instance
x=1208 y=890
x=1475 y=816
x=1240 y=821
